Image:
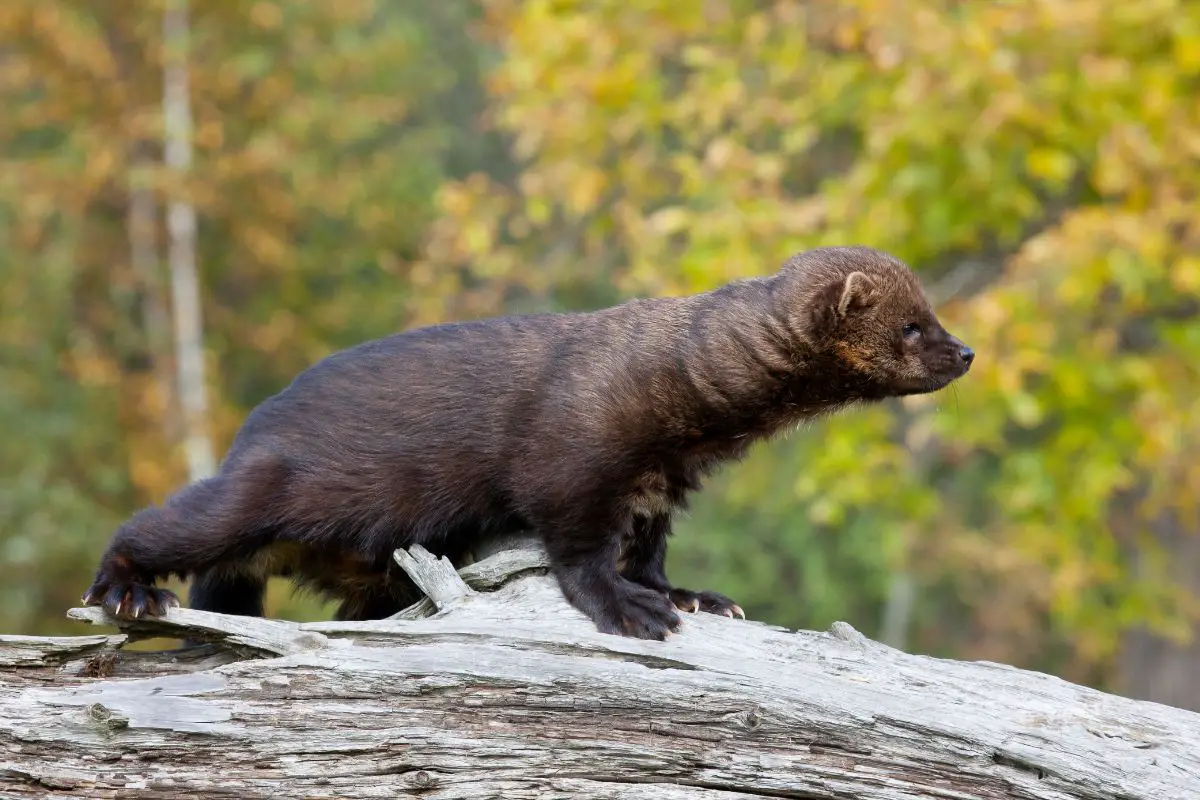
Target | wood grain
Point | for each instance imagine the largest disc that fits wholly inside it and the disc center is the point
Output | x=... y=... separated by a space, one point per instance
x=504 y=691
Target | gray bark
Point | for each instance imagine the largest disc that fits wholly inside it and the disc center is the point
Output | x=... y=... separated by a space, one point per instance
x=1151 y=666
x=181 y=228
x=497 y=688
x=897 y=612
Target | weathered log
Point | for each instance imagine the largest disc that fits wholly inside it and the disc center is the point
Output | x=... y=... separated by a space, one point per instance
x=494 y=687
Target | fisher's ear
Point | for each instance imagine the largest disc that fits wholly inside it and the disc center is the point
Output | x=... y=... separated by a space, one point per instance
x=840 y=299
x=857 y=292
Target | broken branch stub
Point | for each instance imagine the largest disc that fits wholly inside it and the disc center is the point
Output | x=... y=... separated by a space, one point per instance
x=434 y=576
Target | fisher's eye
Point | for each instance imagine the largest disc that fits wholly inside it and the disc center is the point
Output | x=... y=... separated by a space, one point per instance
x=912 y=329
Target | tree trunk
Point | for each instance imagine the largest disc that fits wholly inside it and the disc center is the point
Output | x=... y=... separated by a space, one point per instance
x=149 y=308
x=1155 y=668
x=181 y=228
x=144 y=256
x=497 y=688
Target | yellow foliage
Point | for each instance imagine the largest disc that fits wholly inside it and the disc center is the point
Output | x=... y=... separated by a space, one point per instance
x=720 y=138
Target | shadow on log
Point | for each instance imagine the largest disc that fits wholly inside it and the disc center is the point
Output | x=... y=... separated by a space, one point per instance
x=494 y=687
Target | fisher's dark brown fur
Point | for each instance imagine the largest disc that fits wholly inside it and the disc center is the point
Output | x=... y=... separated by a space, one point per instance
x=589 y=428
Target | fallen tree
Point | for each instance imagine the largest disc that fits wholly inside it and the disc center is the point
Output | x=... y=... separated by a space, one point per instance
x=493 y=687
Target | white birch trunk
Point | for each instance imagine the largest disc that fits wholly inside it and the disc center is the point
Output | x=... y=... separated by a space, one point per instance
x=181 y=228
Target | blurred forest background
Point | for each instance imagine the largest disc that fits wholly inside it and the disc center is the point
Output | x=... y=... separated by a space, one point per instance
x=361 y=167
